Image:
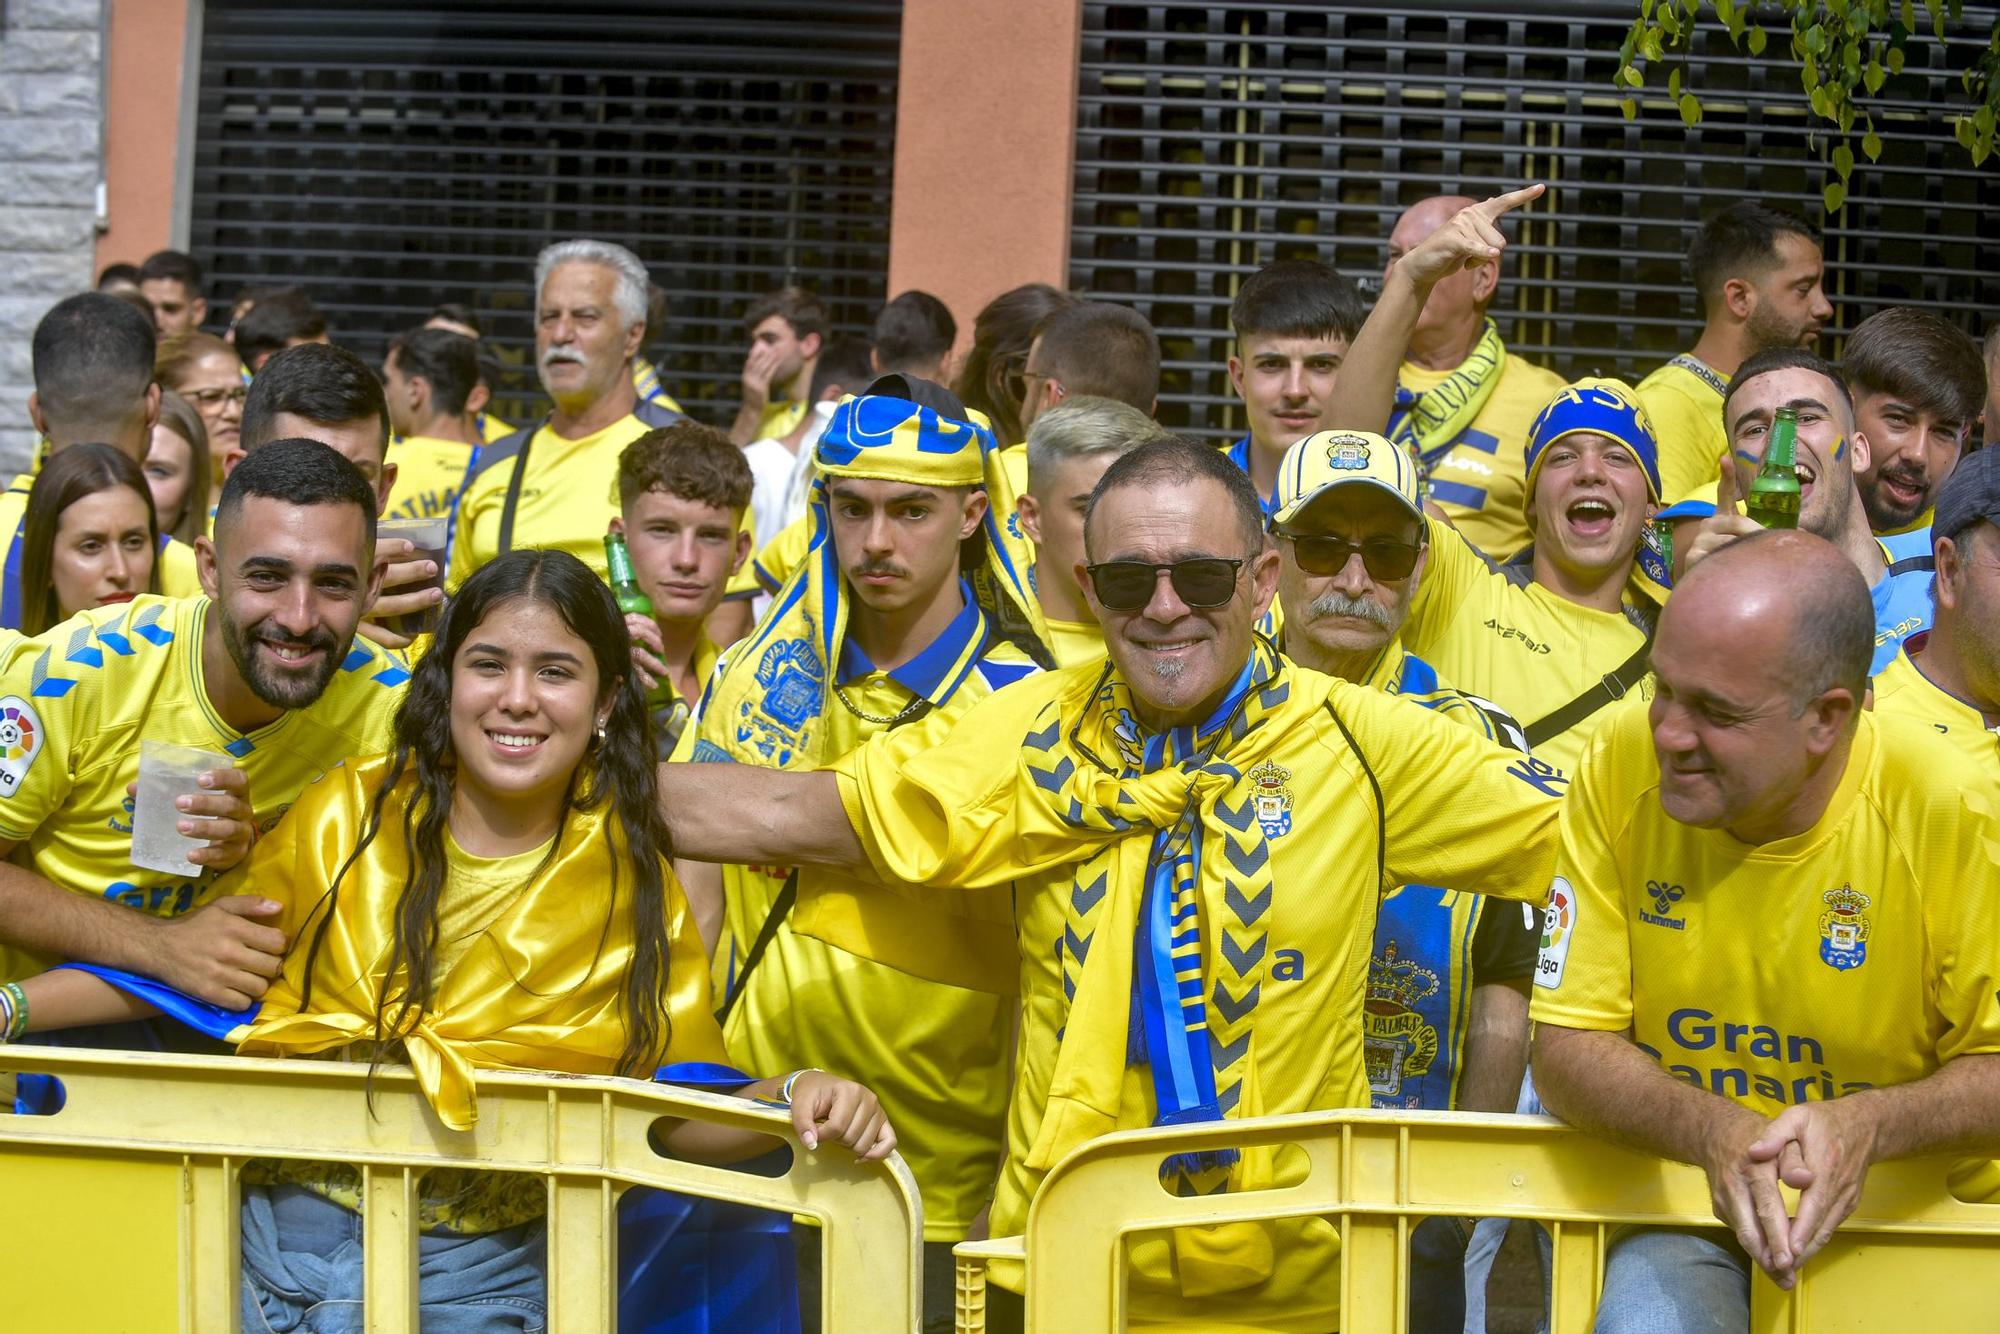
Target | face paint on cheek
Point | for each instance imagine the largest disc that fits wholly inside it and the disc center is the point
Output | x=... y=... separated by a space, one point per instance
x=1840 y=449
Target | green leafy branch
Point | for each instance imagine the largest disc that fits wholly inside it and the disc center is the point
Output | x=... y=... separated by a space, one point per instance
x=1845 y=49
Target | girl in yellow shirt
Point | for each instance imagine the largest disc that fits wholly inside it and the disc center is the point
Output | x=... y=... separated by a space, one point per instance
x=493 y=893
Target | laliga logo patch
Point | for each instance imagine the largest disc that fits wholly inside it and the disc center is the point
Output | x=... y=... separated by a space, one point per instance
x=1347 y=452
x=1268 y=785
x=21 y=741
x=1843 y=929
x=1558 y=929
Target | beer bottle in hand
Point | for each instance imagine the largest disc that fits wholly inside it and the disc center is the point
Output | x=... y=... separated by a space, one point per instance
x=1773 y=500
x=632 y=599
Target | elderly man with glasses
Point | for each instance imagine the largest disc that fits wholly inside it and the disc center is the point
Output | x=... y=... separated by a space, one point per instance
x=1175 y=853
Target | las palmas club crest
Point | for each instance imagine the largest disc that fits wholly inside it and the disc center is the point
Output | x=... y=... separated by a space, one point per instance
x=1843 y=929
x=1269 y=788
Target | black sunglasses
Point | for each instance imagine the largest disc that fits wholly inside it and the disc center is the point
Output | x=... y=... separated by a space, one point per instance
x=1383 y=557
x=1199 y=581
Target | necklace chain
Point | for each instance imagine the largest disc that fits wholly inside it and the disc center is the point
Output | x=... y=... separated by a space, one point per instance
x=903 y=716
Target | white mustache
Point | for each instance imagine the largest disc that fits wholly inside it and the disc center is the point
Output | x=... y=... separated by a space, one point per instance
x=557 y=355
x=1333 y=604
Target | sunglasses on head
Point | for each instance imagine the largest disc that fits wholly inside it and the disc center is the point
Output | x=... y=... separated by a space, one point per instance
x=1200 y=581
x=1383 y=557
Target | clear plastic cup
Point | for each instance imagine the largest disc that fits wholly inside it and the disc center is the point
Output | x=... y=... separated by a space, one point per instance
x=428 y=536
x=167 y=771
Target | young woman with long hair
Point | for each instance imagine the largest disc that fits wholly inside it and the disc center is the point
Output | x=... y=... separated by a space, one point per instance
x=178 y=469
x=493 y=893
x=89 y=536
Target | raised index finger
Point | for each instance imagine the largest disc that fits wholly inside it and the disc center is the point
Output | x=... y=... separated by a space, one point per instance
x=1500 y=205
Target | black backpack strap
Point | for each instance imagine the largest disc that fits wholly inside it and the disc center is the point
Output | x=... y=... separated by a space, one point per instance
x=513 y=501
x=1614 y=685
x=1381 y=806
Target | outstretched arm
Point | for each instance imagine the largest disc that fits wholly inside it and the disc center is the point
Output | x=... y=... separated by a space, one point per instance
x=1366 y=391
x=741 y=813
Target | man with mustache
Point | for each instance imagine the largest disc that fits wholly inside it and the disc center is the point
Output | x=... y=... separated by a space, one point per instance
x=1831 y=452
x=1758 y=273
x=1918 y=385
x=1445 y=1027
x=904 y=609
x=555 y=483
x=264 y=670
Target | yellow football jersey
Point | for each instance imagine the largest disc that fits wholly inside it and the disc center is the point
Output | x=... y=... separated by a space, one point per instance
x=779 y=418
x=492 y=428
x=774 y=561
x=1903 y=691
x=1863 y=952
x=1481 y=480
x=13 y=513
x=1076 y=642
x=180 y=575
x=1519 y=645
x=567 y=498
x=429 y=472
x=935 y=1055
x=646 y=380
x=1686 y=408
x=76 y=702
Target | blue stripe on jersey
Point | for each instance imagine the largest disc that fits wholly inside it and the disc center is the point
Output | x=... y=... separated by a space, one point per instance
x=1458 y=493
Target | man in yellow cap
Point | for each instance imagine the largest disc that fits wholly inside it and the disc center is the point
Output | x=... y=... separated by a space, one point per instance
x=886 y=623
x=1445 y=1027
x=1189 y=933
x=1549 y=637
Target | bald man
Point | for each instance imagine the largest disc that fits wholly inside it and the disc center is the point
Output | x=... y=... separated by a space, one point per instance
x=1464 y=402
x=1770 y=947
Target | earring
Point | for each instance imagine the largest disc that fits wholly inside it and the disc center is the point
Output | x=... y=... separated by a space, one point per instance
x=600 y=729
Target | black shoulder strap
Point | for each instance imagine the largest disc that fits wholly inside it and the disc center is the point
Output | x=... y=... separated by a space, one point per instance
x=1614 y=685
x=1381 y=809
x=781 y=908
x=513 y=498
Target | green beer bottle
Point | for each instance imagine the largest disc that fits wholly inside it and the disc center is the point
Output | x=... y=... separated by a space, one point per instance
x=632 y=599
x=1774 y=496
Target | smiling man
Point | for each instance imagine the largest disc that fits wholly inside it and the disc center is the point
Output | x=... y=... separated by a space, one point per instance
x=1097 y=814
x=1918 y=386
x=555 y=484
x=1293 y=321
x=1770 y=946
x=1548 y=638
x=264 y=670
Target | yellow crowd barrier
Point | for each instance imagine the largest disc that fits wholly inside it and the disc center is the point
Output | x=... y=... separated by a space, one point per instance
x=121 y=1209
x=1911 y=1257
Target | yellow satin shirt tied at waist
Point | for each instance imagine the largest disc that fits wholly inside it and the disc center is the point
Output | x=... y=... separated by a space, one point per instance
x=1289 y=832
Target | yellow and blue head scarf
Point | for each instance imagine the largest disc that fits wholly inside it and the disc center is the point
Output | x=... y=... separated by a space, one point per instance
x=1609 y=408
x=775 y=691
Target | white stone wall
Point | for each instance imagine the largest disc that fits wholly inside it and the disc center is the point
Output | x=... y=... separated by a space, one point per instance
x=51 y=129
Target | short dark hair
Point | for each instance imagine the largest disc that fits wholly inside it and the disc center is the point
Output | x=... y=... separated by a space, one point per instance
x=79 y=471
x=1740 y=239
x=1298 y=298
x=118 y=273
x=843 y=362
x=689 y=460
x=457 y=312
x=914 y=332
x=279 y=317
x=175 y=265
x=1178 y=460
x=303 y=472
x=324 y=384
x=447 y=361
x=1095 y=347
x=93 y=360
x=1920 y=357
x=1785 y=358
x=797 y=306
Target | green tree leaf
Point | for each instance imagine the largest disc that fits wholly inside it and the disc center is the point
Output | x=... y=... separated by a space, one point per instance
x=1835 y=195
x=1843 y=161
x=1690 y=110
x=1895 y=59
x=1756 y=41
x=1674 y=83
x=1628 y=108
x=1871 y=144
x=1872 y=77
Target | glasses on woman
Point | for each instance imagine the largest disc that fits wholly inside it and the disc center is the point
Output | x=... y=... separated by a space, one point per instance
x=1202 y=582
x=1384 y=558
x=215 y=398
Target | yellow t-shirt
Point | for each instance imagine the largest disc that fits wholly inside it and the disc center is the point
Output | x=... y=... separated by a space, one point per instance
x=1863 y=952
x=779 y=418
x=948 y=802
x=492 y=428
x=429 y=472
x=1075 y=643
x=568 y=496
x=13 y=512
x=1903 y=691
x=1481 y=480
x=774 y=562
x=1521 y=646
x=1687 y=422
x=935 y=1055
x=180 y=574
x=76 y=702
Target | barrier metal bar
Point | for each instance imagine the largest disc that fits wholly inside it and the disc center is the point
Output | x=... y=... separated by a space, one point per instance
x=123 y=1206
x=1910 y=1256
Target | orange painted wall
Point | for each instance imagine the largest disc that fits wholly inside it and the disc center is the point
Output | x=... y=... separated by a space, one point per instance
x=985 y=139
x=142 y=121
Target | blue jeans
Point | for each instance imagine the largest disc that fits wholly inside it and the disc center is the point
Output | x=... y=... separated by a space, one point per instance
x=302 y=1271
x=1667 y=1281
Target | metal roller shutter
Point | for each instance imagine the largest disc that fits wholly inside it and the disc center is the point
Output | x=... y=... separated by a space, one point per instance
x=391 y=155
x=1212 y=140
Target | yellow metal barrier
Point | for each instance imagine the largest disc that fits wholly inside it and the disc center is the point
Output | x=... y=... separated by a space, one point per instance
x=1910 y=1257
x=121 y=1209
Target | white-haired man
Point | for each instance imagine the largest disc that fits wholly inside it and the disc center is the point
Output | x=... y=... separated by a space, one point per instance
x=555 y=483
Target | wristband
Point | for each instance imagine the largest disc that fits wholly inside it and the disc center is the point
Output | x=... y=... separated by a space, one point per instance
x=6 y=1017
x=785 y=1093
x=17 y=1010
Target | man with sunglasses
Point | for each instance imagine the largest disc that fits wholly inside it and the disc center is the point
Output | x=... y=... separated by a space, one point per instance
x=1174 y=855
x=1549 y=637
x=1446 y=1020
